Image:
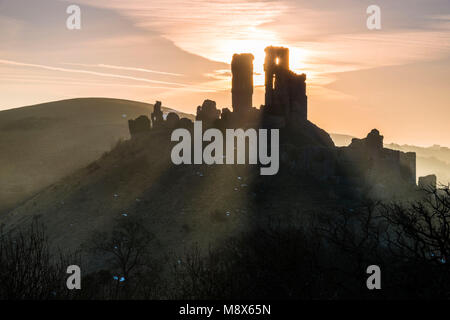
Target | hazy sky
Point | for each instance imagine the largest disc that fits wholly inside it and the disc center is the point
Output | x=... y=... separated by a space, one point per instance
x=395 y=79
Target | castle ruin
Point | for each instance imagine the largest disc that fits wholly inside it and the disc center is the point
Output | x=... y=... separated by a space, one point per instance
x=306 y=148
x=378 y=165
x=285 y=90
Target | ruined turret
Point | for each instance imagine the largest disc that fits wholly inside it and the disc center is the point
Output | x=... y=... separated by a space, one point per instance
x=157 y=115
x=207 y=112
x=285 y=90
x=242 y=82
x=373 y=141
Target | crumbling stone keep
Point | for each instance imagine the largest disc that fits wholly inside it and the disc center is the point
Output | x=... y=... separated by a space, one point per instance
x=208 y=112
x=157 y=115
x=242 y=82
x=285 y=90
x=373 y=141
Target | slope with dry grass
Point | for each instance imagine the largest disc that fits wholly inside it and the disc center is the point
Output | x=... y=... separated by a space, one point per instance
x=41 y=144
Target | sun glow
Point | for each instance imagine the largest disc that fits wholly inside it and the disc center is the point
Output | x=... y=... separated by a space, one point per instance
x=297 y=56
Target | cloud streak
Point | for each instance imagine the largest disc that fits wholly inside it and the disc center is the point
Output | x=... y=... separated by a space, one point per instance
x=207 y=87
x=100 y=74
x=108 y=66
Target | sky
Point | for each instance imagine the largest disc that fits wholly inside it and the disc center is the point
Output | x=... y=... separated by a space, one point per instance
x=395 y=79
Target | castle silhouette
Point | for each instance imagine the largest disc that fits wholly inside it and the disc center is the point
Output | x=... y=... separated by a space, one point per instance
x=305 y=148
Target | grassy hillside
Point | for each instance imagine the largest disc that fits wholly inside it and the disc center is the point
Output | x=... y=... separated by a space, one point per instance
x=180 y=205
x=192 y=213
x=40 y=144
x=214 y=231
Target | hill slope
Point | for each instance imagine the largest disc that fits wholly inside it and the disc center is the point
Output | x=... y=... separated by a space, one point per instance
x=40 y=144
x=181 y=205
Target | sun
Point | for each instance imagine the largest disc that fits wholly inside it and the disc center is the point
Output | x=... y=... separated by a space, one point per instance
x=297 y=56
x=254 y=40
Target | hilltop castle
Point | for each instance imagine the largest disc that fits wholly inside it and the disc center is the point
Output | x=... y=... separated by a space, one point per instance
x=306 y=148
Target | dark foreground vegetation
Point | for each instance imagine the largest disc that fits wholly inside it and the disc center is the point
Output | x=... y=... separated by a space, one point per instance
x=324 y=257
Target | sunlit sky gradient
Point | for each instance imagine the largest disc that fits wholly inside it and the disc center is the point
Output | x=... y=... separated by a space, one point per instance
x=178 y=51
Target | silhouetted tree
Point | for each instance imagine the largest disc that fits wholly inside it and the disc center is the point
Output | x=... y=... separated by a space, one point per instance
x=128 y=246
x=28 y=268
x=127 y=243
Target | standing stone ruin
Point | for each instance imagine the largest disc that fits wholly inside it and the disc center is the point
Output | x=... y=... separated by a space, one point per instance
x=242 y=82
x=285 y=90
x=157 y=115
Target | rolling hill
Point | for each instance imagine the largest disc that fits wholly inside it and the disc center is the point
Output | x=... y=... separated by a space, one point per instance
x=42 y=143
x=182 y=206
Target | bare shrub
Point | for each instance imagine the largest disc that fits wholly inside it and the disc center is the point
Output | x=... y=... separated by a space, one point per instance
x=127 y=247
x=28 y=269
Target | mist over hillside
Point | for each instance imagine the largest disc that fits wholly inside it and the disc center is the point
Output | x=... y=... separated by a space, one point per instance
x=435 y=151
x=40 y=144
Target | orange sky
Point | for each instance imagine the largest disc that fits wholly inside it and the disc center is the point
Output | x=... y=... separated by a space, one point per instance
x=395 y=79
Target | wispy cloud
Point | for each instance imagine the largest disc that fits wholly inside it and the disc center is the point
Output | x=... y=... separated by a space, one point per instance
x=100 y=74
x=67 y=82
x=211 y=86
x=314 y=31
x=214 y=29
x=108 y=66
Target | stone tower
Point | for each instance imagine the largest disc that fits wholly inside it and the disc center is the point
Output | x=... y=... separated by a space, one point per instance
x=157 y=115
x=242 y=82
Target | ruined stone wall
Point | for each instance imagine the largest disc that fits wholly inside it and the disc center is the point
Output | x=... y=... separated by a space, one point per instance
x=139 y=125
x=207 y=112
x=375 y=165
x=408 y=166
x=428 y=182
